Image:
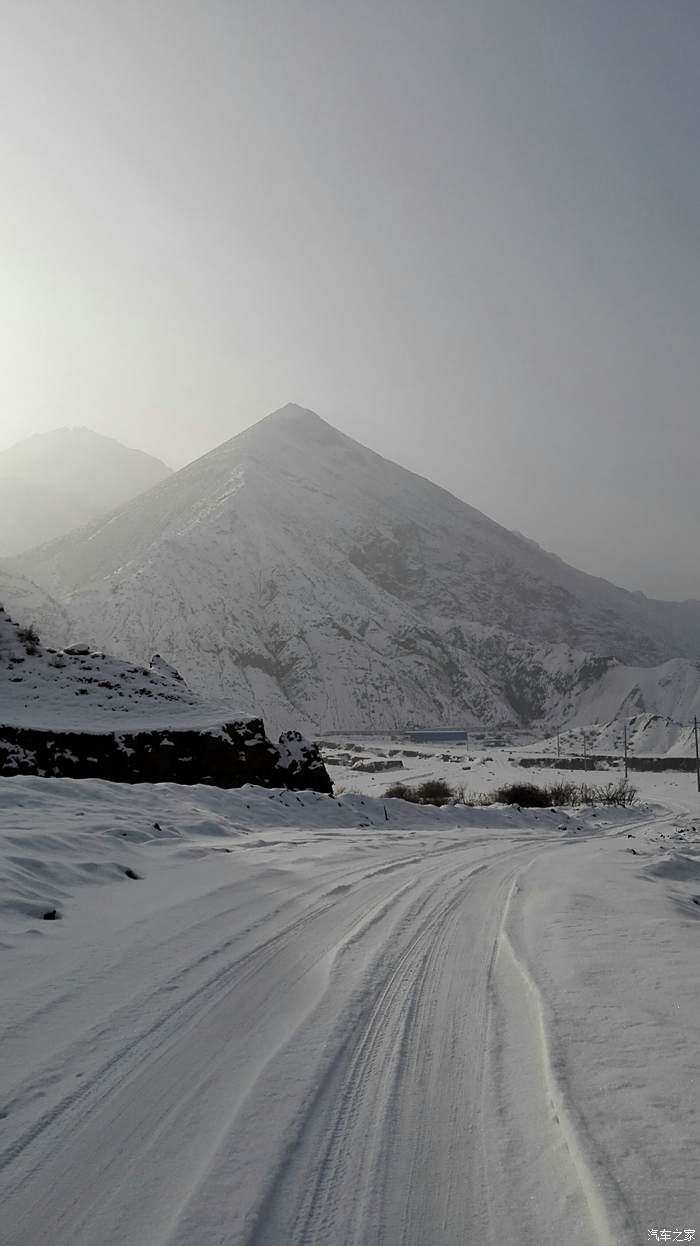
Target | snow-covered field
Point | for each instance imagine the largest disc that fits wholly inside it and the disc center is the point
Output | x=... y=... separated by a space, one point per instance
x=479 y=769
x=325 y=1021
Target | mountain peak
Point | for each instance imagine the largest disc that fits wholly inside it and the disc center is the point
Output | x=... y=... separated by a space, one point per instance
x=292 y=416
x=290 y=426
x=292 y=410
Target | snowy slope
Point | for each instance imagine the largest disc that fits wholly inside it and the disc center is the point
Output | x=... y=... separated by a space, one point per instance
x=648 y=735
x=54 y=482
x=308 y=578
x=48 y=689
x=32 y=605
x=577 y=689
x=266 y=1019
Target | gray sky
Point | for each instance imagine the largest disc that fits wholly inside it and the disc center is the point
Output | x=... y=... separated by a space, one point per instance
x=465 y=232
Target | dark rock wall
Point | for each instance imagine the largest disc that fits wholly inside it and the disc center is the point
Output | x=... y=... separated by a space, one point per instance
x=227 y=756
x=598 y=761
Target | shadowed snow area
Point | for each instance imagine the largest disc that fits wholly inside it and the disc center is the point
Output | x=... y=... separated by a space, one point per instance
x=266 y=1018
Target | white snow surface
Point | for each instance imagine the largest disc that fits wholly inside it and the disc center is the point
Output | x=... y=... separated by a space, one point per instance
x=32 y=605
x=44 y=688
x=303 y=1024
x=304 y=577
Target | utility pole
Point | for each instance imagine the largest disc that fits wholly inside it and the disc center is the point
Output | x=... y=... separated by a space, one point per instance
x=558 y=745
x=585 y=752
x=625 y=730
x=697 y=752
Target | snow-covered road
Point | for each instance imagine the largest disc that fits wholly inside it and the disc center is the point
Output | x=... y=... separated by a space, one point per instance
x=304 y=1025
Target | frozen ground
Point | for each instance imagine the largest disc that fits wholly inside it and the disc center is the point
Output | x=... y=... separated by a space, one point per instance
x=480 y=769
x=303 y=1024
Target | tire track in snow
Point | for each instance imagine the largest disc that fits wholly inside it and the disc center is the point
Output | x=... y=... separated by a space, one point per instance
x=186 y=1027
x=381 y=1046
x=369 y=1067
x=610 y=1216
x=128 y=1018
x=183 y=1011
x=360 y=1114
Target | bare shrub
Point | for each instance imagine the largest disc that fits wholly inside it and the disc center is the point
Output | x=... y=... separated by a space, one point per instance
x=432 y=792
x=621 y=793
x=29 y=637
x=401 y=791
x=529 y=795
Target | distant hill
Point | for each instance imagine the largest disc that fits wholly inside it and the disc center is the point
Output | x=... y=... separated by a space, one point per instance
x=648 y=735
x=54 y=482
x=303 y=576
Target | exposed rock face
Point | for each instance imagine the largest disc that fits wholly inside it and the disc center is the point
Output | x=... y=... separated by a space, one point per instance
x=301 y=764
x=228 y=756
x=158 y=663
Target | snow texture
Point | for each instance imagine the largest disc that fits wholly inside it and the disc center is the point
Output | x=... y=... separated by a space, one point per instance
x=269 y=1019
x=81 y=689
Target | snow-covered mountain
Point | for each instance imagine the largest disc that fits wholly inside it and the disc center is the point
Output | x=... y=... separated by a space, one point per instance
x=306 y=577
x=648 y=735
x=32 y=605
x=54 y=482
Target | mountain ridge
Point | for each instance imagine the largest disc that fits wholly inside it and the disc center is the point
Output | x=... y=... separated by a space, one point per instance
x=299 y=572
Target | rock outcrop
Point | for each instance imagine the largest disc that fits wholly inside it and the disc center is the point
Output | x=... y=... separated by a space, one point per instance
x=227 y=756
x=79 y=714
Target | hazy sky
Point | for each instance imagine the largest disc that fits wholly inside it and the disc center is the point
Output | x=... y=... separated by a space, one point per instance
x=464 y=232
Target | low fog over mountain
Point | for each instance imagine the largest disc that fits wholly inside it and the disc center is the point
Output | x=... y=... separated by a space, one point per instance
x=54 y=482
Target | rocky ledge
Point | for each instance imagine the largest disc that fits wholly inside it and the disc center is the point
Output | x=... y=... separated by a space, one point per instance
x=226 y=756
x=79 y=714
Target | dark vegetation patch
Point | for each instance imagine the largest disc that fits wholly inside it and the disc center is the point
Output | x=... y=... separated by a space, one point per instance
x=524 y=795
x=532 y=796
x=432 y=792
